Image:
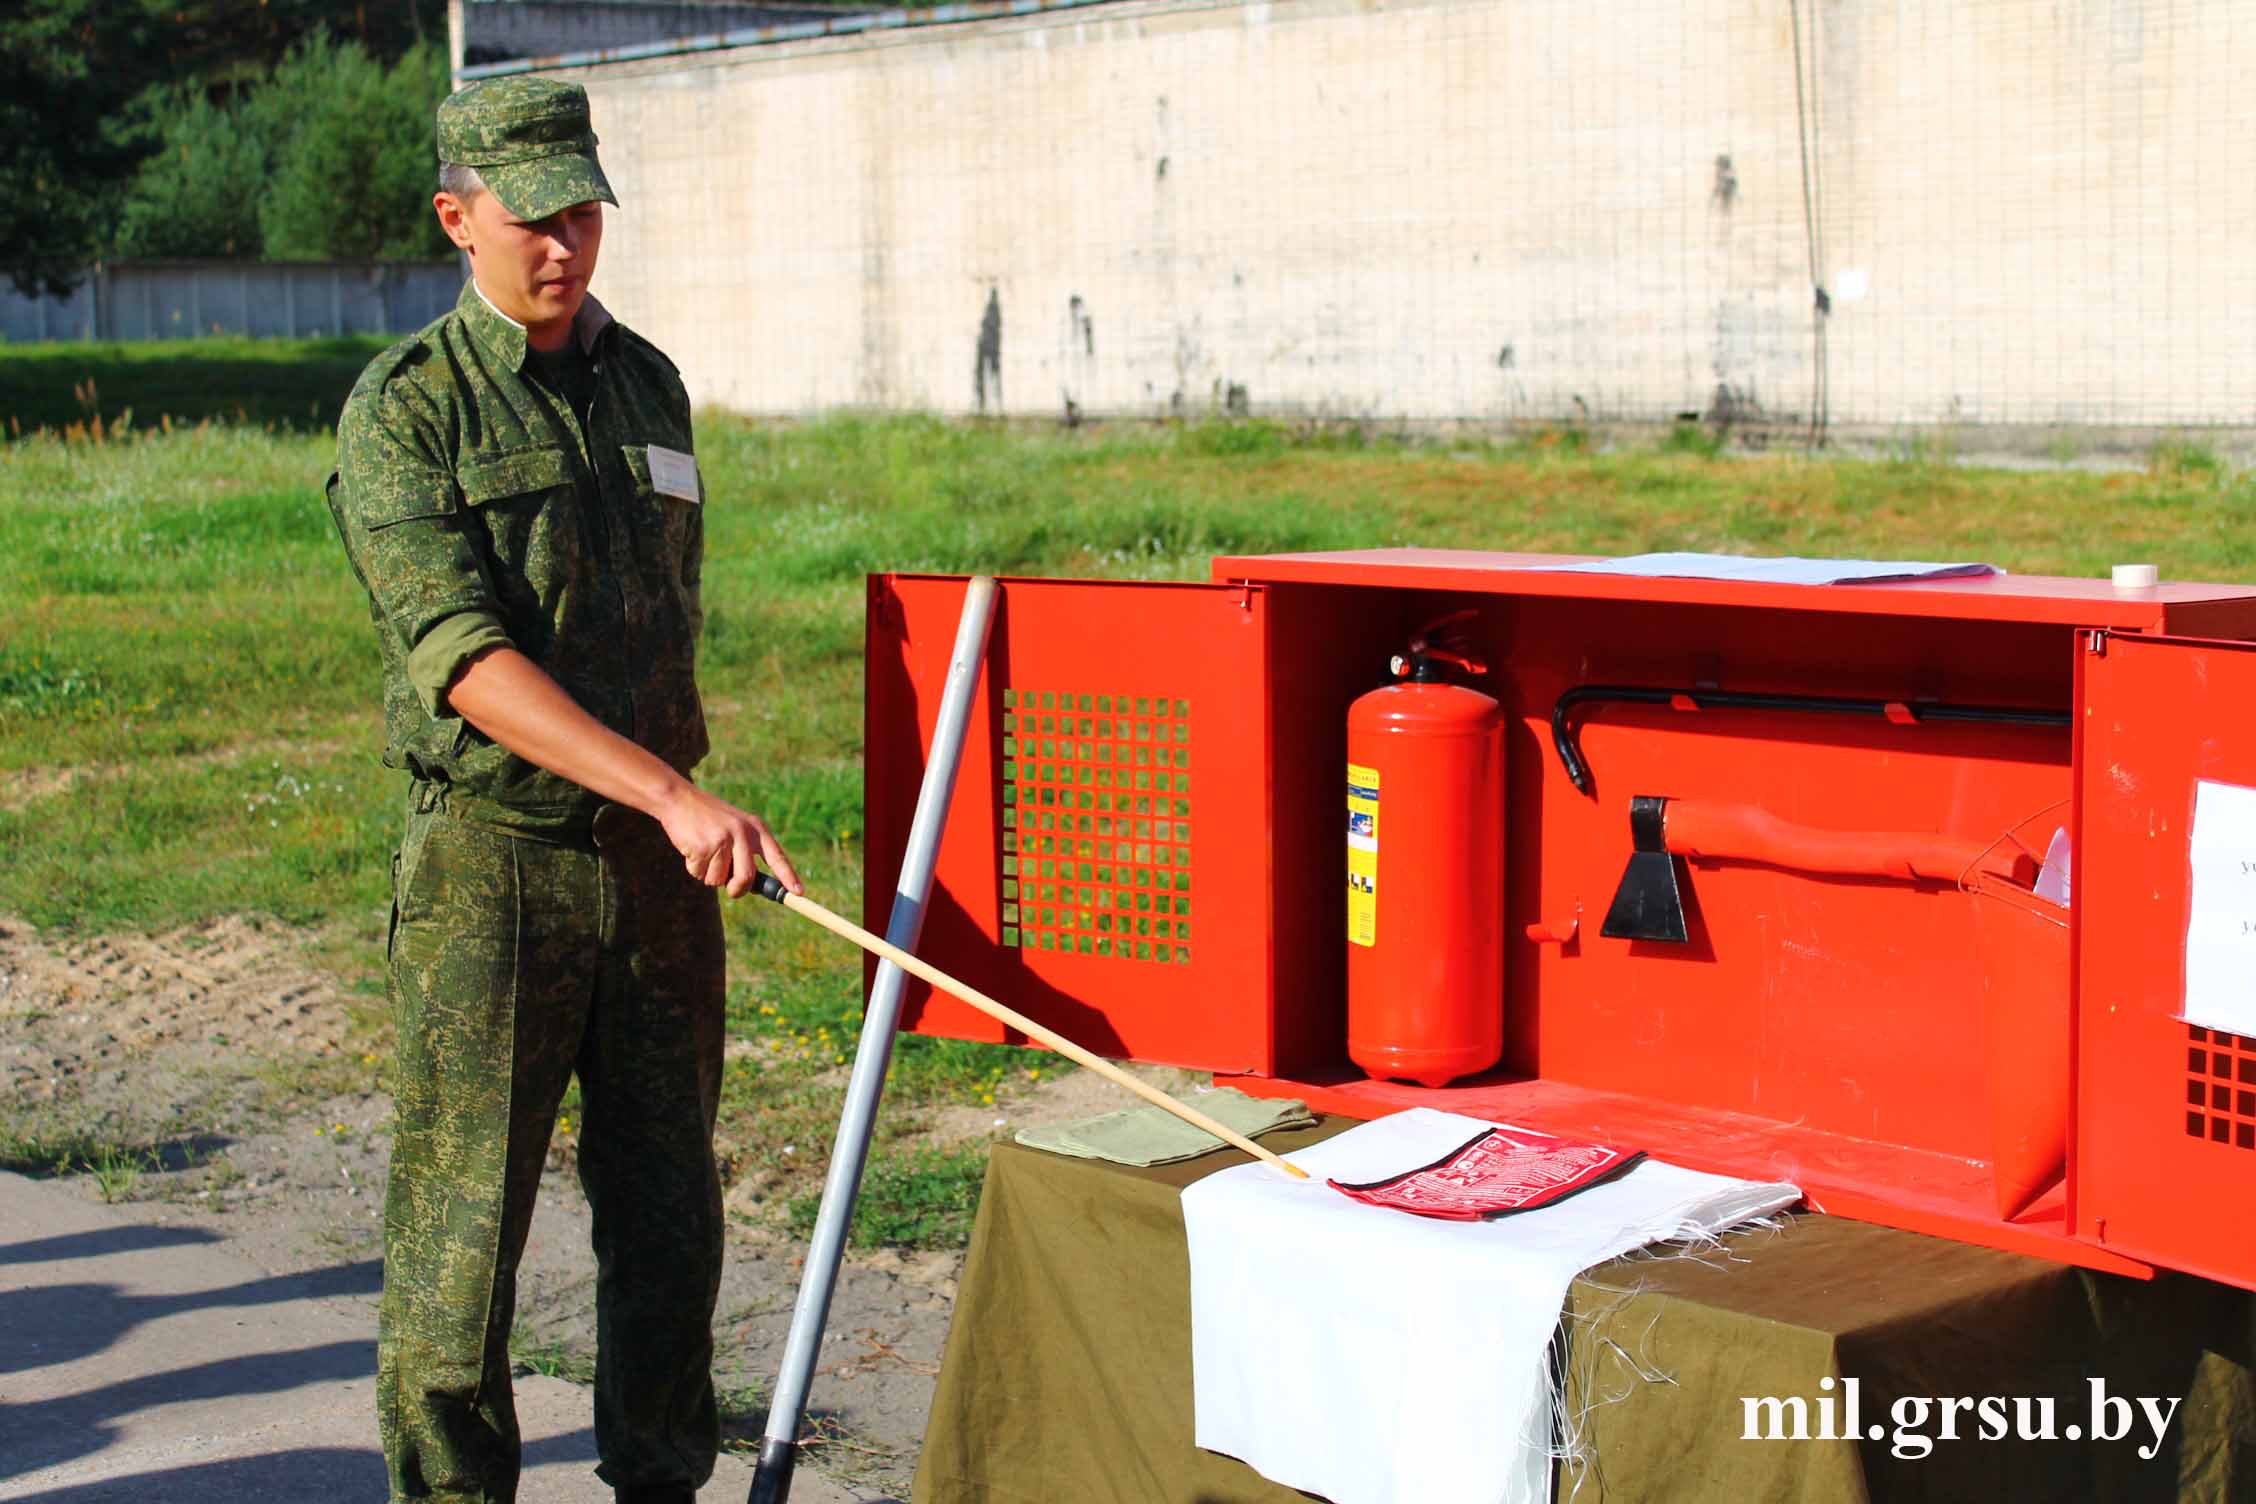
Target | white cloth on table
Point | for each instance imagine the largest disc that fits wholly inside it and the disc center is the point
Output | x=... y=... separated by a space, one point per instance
x=1375 y=1357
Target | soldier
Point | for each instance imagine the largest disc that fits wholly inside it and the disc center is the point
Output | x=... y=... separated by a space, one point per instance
x=516 y=489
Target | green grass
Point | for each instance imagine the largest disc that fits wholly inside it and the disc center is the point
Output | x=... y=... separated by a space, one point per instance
x=2188 y=461
x=549 y=1360
x=1688 y=437
x=187 y=679
x=924 y=1198
x=116 y=1173
x=114 y=1153
x=289 y=383
x=40 y=1148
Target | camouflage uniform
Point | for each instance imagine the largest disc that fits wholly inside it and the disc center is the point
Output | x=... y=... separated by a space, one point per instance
x=537 y=932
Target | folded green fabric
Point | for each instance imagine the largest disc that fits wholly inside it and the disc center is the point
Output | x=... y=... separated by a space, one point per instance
x=1154 y=1136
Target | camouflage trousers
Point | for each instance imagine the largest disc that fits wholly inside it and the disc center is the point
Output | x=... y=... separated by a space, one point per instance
x=517 y=962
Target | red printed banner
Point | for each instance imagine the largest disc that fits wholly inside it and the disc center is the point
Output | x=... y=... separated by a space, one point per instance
x=1495 y=1174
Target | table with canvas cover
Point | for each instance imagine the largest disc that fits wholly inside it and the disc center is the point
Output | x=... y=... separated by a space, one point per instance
x=1068 y=1367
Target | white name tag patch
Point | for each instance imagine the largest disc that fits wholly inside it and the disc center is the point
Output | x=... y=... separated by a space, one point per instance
x=673 y=473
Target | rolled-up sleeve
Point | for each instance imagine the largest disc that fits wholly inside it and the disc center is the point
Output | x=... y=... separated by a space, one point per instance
x=434 y=663
x=397 y=509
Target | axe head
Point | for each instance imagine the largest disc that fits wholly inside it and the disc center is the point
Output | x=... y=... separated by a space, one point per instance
x=1647 y=905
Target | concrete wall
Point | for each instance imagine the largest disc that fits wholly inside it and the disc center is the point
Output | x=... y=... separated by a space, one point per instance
x=2019 y=213
x=130 y=300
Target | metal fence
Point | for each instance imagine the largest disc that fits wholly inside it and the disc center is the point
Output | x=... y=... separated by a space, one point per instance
x=135 y=300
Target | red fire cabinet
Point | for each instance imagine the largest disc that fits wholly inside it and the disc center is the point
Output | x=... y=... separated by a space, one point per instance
x=1146 y=853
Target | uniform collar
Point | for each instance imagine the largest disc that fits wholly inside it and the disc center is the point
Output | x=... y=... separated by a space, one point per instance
x=503 y=338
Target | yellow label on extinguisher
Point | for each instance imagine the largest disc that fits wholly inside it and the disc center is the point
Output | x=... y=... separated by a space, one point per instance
x=1362 y=855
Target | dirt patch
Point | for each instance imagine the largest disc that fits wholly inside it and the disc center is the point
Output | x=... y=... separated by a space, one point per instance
x=24 y=787
x=27 y=786
x=151 y=1039
x=83 y=1019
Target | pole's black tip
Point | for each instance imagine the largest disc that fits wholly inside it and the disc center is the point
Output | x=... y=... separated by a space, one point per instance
x=768 y=886
x=771 y=1476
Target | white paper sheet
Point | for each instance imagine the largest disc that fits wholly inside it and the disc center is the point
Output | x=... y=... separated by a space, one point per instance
x=2220 y=957
x=1785 y=571
x=1374 y=1357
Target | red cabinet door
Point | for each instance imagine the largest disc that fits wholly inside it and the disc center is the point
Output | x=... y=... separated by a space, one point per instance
x=2164 y=1155
x=1105 y=866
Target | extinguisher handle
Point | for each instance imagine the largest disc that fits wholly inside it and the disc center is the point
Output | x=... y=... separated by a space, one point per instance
x=1432 y=627
x=1465 y=661
x=1448 y=650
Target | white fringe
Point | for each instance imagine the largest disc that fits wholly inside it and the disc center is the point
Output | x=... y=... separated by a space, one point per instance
x=1603 y=1370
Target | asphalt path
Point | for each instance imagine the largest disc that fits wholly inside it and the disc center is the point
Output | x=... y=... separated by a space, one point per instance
x=141 y=1362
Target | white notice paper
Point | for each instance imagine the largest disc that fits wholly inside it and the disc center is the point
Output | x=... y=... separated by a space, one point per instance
x=673 y=473
x=2220 y=969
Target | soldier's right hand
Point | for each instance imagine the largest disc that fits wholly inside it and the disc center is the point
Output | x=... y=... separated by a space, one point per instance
x=722 y=846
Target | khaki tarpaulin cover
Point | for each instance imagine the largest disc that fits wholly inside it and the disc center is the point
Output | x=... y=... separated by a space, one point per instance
x=1067 y=1377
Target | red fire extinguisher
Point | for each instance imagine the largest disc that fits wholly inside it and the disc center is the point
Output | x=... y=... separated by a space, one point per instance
x=1425 y=870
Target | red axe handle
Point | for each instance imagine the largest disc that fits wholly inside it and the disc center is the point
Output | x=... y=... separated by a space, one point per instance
x=1693 y=827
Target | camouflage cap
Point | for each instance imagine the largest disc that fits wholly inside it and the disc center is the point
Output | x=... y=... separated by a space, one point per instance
x=529 y=138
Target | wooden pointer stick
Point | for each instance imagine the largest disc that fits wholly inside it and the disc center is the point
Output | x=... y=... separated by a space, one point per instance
x=768 y=887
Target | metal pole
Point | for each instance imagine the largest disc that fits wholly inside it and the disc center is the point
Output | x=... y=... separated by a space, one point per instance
x=779 y=1449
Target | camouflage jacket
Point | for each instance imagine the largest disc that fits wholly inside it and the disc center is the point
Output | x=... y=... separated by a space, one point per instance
x=463 y=486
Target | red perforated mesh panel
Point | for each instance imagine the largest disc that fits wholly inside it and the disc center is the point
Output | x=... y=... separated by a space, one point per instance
x=2220 y=1087
x=1096 y=823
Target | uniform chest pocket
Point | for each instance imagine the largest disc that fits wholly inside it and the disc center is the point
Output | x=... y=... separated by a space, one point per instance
x=668 y=516
x=513 y=473
x=522 y=497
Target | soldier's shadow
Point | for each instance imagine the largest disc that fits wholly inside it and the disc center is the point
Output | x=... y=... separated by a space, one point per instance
x=50 y=1324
